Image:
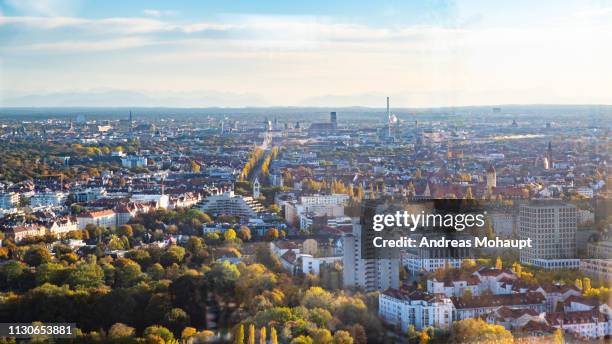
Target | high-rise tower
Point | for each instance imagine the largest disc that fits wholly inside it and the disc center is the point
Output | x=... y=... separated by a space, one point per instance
x=333 y=119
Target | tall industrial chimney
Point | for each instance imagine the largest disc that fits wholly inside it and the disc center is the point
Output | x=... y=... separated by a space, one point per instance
x=388 y=117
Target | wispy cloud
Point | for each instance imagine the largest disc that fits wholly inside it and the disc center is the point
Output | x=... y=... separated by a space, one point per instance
x=159 y=13
x=45 y=7
x=298 y=57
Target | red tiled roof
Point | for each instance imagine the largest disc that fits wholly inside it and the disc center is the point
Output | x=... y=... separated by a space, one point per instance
x=498 y=300
x=97 y=213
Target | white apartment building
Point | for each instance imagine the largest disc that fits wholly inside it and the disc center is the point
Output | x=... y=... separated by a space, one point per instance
x=231 y=204
x=9 y=200
x=551 y=226
x=415 y=262
x=598 y=268
x=162 y=201
x=302 y=212
x=371 y=274
x=318 y=200
x=454 y=287
x=89 y=194
x=590 y=324
x=306 y=263
x=307 y=220
x=133 y=161
x=48 y=199
x=402 y=309
x=103 y=218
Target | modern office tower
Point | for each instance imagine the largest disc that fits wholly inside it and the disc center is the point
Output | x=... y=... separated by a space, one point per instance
x=551 y=226
x=372 y=274
x=333 y=119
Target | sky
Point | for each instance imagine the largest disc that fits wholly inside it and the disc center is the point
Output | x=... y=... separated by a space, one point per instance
x=421 y=53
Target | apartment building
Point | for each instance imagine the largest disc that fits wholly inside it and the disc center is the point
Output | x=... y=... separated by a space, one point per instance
x=402 y=309
x=103 y=218
x=552 y=226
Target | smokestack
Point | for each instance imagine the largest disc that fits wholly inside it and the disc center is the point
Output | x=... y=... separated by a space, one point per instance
x=388 y=117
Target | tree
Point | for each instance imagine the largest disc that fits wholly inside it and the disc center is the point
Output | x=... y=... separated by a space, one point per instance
x=36 y=255
x=156 y=271
x=424 y=337
x=317 y=297
x=176 y=319
x=412 y=333
x=275 y=209
x=159 y=331
x=518 y=269
x=229 y=235
x=321 y=336
x=195 y=167
x=262 y=335
x=586 y=284
x=467 y=264
x=190 y=331
x=239 y=335
x=302 y=340
x=173 y=255
x=578 y=283
x=119 y=331
x=50 y=273
x=127 y=272
x=244 y=233
x=558 y=336
x=251 y=339
x=272 y=234
x=477 y=330
x=358 y=334
x=342 y=337
x=86 y=275
x=273 y=336
x=498 y=263
x=125 y=230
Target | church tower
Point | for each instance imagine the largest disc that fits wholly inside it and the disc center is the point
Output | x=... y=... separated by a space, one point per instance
x=256 y=186
x=491 y=177
x=549 y=154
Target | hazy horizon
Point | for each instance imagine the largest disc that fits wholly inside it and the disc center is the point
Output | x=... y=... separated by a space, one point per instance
x=346 y=53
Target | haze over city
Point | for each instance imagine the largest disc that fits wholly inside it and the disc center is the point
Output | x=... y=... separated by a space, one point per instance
x=264 y=53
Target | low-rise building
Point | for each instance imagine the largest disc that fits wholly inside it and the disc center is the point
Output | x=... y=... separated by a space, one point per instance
x=103 y=218
x=589 y=324
x=420 y=309
x=472 y=307
x=9 y=200
x=48 y=199
x=19 y=233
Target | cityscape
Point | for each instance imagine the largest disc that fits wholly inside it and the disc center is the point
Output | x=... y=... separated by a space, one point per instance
x=320 y=172
x=202 y=227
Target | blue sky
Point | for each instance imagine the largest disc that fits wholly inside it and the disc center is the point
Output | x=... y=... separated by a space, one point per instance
x=322 y=53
